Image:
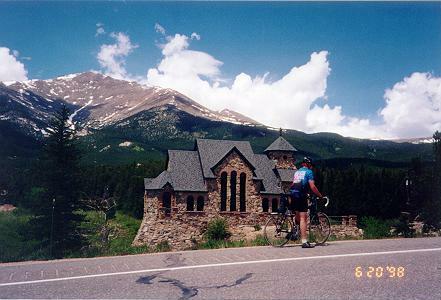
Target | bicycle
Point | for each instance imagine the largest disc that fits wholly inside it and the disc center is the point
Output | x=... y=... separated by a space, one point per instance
x=281 y=226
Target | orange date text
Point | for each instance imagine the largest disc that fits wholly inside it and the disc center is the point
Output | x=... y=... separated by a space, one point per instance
x=379 y=272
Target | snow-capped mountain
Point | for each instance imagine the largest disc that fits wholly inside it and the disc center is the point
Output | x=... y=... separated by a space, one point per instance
x=95 y=101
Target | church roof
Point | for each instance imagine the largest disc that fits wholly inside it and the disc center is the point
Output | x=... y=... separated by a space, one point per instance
x=212 y=151
x=183 y=173
x=187 y=170
x=286 y=175
x=280 y=144
x=270 y=181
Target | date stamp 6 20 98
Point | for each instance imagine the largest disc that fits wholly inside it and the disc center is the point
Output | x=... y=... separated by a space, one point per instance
x=380 y=272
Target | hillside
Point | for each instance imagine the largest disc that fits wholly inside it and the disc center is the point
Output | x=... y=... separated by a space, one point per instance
x=151 y=133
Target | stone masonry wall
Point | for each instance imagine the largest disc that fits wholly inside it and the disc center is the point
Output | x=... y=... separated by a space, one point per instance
x=284 y=160
x=182 y=228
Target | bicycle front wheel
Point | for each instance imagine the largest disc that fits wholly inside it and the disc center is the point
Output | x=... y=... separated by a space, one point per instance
x=319 y=228
x=277 y=230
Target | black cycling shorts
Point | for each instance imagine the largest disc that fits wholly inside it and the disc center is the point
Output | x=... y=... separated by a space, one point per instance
x=299 y=204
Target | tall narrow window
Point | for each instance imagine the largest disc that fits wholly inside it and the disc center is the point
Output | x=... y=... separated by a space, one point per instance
x=242 y=195
x=233 y=181
x=200 y=204
x=190 y=203
x=166 y=203
x=265 y=204
x=275 y=205
x=223 y=192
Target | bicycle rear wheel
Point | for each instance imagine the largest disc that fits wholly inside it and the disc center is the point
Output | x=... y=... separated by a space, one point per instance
x=277 y=230
x=319 y=228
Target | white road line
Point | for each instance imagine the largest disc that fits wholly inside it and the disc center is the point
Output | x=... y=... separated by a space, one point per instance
x=223 y=265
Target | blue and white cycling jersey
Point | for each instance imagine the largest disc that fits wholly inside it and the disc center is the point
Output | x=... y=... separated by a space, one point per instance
x=300 y=183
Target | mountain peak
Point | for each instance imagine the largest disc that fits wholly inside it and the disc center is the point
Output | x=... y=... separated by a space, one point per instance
x=97 y=100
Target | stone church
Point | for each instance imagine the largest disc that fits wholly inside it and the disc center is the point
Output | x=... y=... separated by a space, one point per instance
x=219 y=178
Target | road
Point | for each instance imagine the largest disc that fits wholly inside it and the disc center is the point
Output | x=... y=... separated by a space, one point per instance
x=241 y=273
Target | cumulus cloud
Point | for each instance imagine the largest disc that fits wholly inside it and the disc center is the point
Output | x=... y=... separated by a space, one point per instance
x=197 y=74
x=413 y=106
x=10 y=68
x=112 y=58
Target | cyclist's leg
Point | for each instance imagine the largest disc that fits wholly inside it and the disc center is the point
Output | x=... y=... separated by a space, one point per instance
x=301 y=212
x=302 y=221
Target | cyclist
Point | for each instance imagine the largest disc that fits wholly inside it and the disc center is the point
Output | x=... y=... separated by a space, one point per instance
x=302 y=184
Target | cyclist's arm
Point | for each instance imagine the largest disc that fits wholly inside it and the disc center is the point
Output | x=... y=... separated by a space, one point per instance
x=314 y=189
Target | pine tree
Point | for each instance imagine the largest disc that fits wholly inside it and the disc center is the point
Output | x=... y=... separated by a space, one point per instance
x=57 y=220
x=432 y=207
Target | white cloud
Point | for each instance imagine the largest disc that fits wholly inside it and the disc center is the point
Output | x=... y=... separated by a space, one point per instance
x=413 y=106
x=113 y=57
x=197 y=74
x=195 y=36
x=159 y=29
x=10 y=68
x=99 y=29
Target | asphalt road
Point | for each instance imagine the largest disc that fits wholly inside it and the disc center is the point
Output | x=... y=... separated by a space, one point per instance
x=242 y=273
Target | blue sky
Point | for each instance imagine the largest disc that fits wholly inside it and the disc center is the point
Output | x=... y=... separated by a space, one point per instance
x=370 y=46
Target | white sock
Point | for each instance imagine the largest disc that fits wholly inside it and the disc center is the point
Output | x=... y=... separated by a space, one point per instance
x=304 y=241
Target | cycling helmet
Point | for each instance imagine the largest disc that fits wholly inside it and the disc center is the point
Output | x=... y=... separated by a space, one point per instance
x=307 y=160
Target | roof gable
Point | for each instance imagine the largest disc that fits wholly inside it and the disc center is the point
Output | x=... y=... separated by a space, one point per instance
x=270 y=181
x=234 y=149
x=183 y=173
x=280 y=144
x=211 y=152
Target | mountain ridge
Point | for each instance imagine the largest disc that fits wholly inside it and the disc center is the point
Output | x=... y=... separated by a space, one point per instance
x=138 y=122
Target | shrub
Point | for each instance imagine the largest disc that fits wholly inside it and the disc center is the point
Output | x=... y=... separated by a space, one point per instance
x=217 y=229
x=374 y=228
x=216 y=244
x=257 y=227
x=163 y=246
x=259 y=241
x=15 y=245
x=403 y=227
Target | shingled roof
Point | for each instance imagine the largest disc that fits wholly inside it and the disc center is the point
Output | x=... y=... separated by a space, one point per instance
x=269 y=179
x=286 y=175
x=212 y=151
x=186 y=170
x=183 y=173
x=280 y=144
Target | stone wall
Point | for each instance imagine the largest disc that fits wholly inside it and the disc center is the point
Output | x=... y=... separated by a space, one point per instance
x=347 y=228
x=283 y=160
x=182 y=228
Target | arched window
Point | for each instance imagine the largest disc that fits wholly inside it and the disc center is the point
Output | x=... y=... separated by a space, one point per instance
x=166 y=203
x=223 y=191
x=275 y=205
x=190 y=203
x=265 y=204
x=242 y=195
x=200 y=204
x=233 y=181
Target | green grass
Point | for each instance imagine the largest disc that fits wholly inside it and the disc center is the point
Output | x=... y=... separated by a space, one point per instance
x=216 y=244
x=122 y=231
x=14 y=245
